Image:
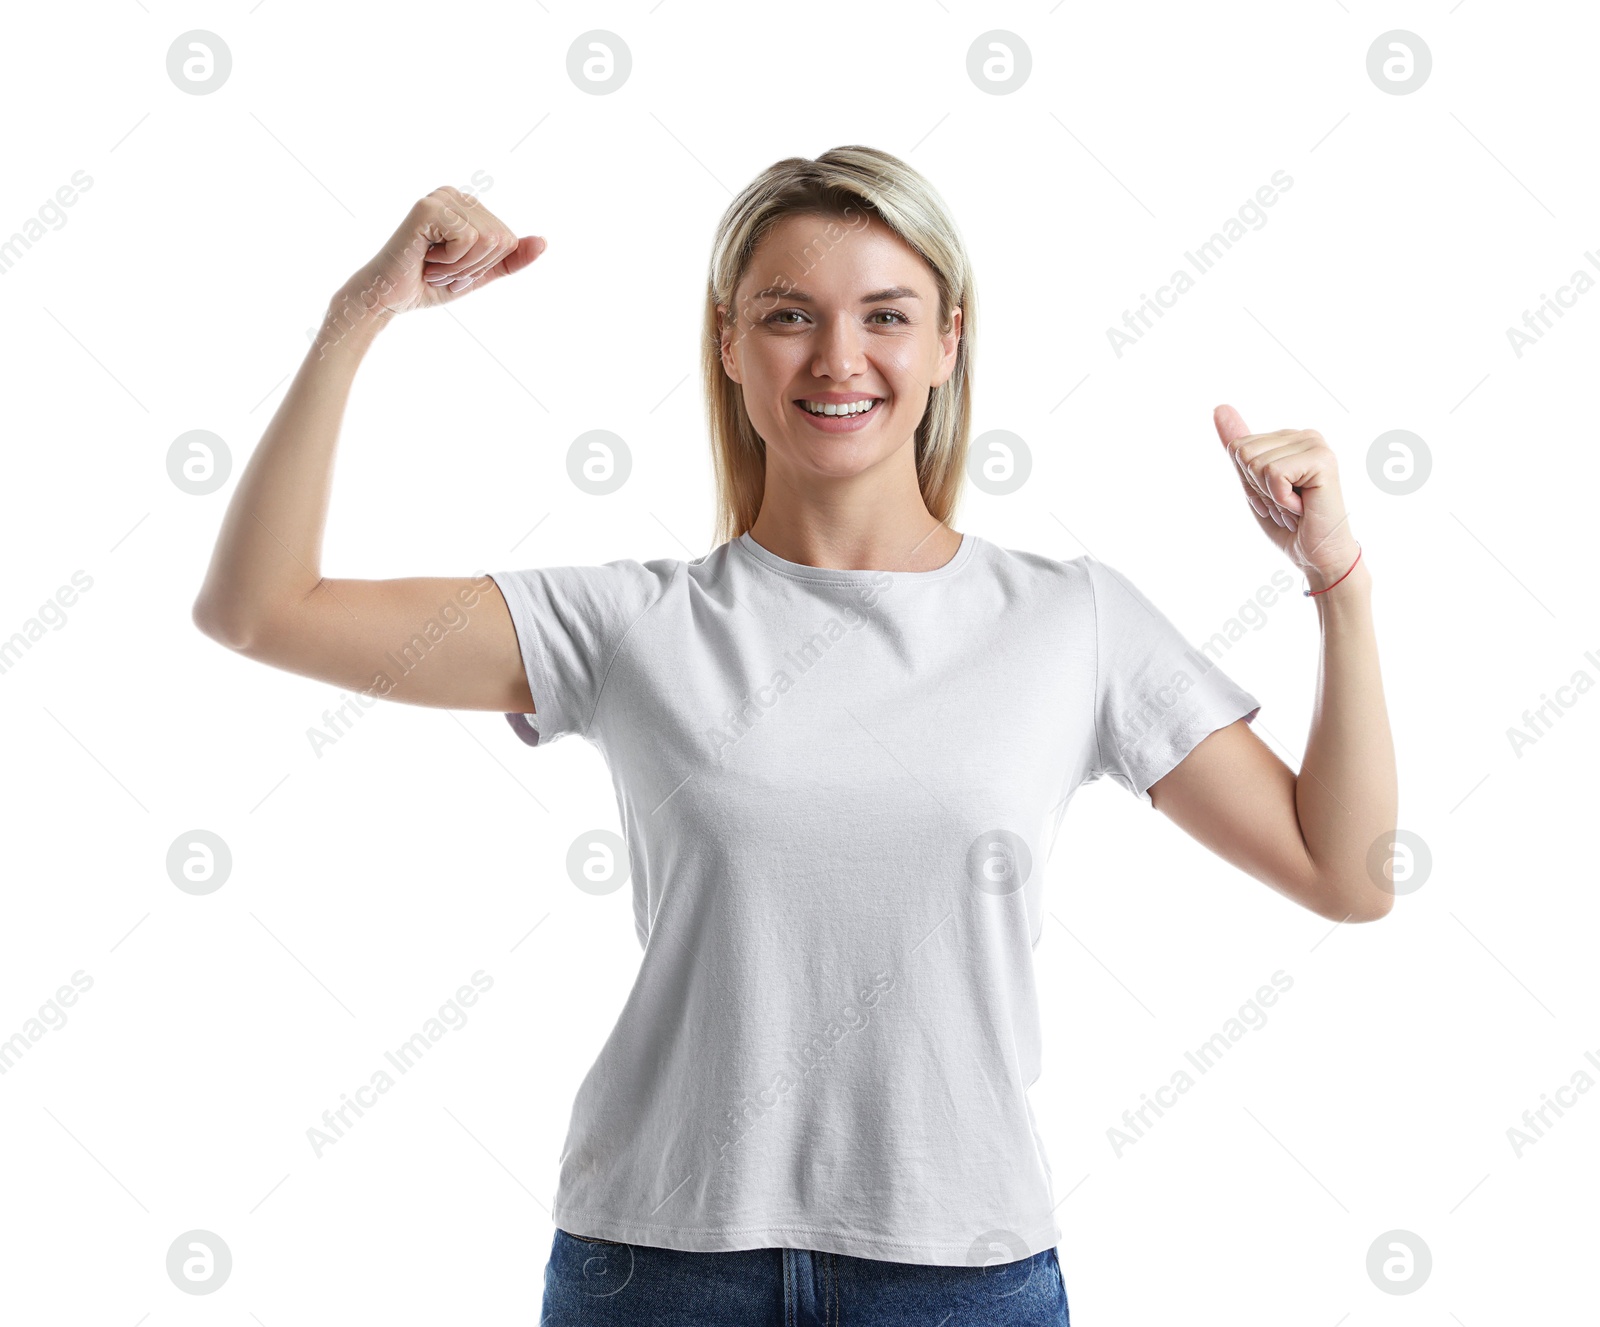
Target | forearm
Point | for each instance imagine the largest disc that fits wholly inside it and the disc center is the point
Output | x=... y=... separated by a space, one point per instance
x=269 y=549
x=1346 y=793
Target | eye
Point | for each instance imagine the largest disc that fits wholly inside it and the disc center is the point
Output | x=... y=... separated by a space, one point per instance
x=784 y=313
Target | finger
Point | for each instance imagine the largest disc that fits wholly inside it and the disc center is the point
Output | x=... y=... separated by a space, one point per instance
x=441 y=269
x=510 y=255
x=1230 y=425
x=1279 y=470
x=1307 y=462
x=528 y=248
x=1231 y=429
x=1249 y=474
x=1257 y=502
x=1278 y=451
x=474 y=271
x=1238 y=440
x=1258 y=437
x=457 y=238
x=1257 y=486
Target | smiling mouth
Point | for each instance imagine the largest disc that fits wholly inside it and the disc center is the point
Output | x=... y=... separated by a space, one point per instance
x=845 y=410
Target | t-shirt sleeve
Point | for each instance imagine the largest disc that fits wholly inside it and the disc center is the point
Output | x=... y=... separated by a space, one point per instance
x=1156 y=697
x=570 y=623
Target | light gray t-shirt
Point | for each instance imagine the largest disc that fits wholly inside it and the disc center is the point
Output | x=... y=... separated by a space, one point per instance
x=838 y=791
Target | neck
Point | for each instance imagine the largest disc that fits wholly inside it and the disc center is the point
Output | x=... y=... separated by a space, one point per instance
x=910 y=541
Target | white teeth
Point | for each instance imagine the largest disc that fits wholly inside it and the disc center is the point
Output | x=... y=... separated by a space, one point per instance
x=824 y=408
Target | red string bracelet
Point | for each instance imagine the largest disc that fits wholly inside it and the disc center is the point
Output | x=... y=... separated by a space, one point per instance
x=1326 y=588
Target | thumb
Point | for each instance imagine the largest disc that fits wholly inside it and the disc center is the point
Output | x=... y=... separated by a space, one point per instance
x=528 y=248
x=1230 y=428
x=1229 y=422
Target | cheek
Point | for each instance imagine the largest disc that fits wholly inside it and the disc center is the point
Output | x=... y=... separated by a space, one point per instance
x=909 y=354
x=773 y=363
x=903 y=368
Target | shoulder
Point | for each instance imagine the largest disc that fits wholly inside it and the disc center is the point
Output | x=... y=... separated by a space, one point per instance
x=1071 y=580
x=617 y=575
x=614 y=592
x=618 y=591
x=1082 y=593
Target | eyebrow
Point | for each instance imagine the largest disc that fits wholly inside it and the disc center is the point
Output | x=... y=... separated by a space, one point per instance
x=888 y=292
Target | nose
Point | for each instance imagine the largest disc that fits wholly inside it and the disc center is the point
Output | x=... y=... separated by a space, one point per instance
x=838 y=347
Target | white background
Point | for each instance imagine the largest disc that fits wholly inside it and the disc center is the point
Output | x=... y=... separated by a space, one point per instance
x=372 y=881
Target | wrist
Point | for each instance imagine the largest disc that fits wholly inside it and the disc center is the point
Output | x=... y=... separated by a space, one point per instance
x=1335 y=578
x=350 y=321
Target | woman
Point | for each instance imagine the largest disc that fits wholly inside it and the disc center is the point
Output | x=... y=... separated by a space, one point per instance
x=842 y=743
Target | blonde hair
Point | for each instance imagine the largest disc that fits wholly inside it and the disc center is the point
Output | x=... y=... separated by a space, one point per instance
x=844 y=184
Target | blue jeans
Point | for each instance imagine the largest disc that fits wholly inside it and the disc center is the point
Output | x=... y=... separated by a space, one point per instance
x=594 y=1283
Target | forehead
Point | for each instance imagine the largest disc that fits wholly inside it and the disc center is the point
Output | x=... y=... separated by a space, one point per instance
x=834 y=256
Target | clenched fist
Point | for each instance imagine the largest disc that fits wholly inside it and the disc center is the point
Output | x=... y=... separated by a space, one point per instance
x=1291 y=479
x=449 y=244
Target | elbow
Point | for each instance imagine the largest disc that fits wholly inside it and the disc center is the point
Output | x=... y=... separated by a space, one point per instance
x=242 y=621
x=1361 y=902
x=1369 y=910
x=223 y=627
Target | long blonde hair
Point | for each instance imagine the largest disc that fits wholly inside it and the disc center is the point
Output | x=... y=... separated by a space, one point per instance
x=844 y=184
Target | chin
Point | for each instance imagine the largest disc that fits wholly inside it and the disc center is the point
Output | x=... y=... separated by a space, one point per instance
x=841 y=464
x=830 y=456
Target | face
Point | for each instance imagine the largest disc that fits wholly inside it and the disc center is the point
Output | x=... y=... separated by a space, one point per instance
x=834 y=312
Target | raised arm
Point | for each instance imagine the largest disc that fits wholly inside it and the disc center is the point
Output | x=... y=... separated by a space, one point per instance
x=1309 y=835
x=443 y=641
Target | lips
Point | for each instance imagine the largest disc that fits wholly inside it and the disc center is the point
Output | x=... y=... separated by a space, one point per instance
x=848 y=410
x=845 y=423
x=854 y=399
